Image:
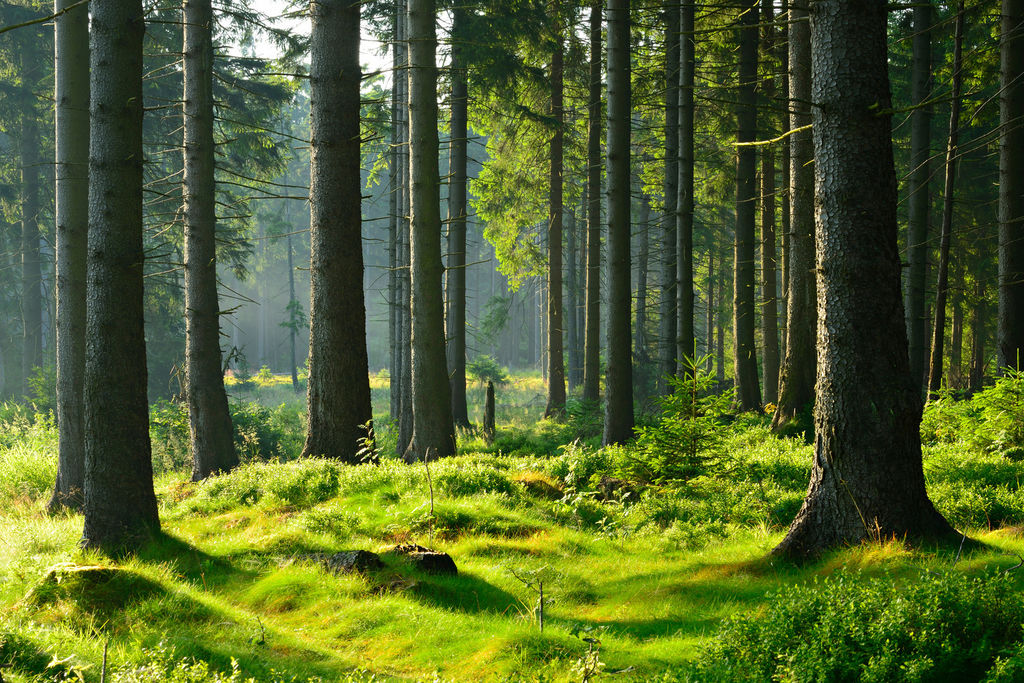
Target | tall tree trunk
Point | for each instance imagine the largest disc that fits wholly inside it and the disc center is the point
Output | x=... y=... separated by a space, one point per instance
x=405 y=421
x=918 y=192
x=592 y=333
x=956 y=342
x=618 y=416
x=684 y=199
x=748 y=390
x=394 y=225
x=120 y=505
x=292 y=306
x=942 y=285
x=555 y=325
x=720 y=325
x=31 y=271
x=978 y=322
x=640 y=355
x=71 y=93
x=572 y=328
x=433 y=430
x=670 y=218
x=769 y=263
x=210 y=431
x=796 y=387
x=782 y=47
x=709 y=343
x=1011 y=186
x=338 y=394
x=456 y=273
x=867 y=479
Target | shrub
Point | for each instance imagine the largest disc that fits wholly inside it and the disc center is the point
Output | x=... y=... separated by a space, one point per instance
x=579 y=464
x=485 y=368
x=852 y=627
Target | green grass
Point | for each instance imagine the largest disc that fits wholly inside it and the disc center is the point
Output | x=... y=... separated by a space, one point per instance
x=661 y=575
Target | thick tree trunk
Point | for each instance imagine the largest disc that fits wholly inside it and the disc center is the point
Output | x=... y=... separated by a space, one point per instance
x=456 y=274
x=684 y=199
x=433 y=430
x=918 y=194
x=555 y=325
x=796 y=387
x=1011 y=187
x=748 y=390
x=210 y=431
x=31 y=268
x=71 y=93
x=866 y=480
x=942 y=284
x=120 y=506
x=618 y=416
x=670 y=218
x=338 y=394
x=592 y=332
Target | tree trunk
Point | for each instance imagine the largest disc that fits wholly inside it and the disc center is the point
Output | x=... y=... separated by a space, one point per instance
x=555 y=325
x=866 y=480
x=918 y=193
x=720 y=326
x=942 y=284
x=71 y=93
x=394 y=229
x=782 y=47
x=796 y=386
x=618 y=417
x=670 y=218
x=572 y=328
x=456 y=275
x=592 y=332
x=404 y=273
x=640 y=355
x=978 y=322
x=956 y=333
x=709 y=342
x=210 y=430
x=433 y=430
x=292 y=305
x=31 y=271
x=338 y=393
x=120 y=505
x=1011 y=186
x=769 y=263
x=684 y=199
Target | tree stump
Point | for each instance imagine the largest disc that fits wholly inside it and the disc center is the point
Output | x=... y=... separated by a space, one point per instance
x=489 y=413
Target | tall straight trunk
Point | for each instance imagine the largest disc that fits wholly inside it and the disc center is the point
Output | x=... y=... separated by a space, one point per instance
x=292 y=303
x=433 y=429
x=338 y=394
x=668 y=309
x=769 y=261
x=956 y=342
x=782 y=48
x=978 y=323
x=684 y=199
x=210 y=431
x=1011 y=186
x=394 y=229
x=720 y=325
x=120 y=505
x=71 y=94
x=867 y=479
x=572 y=328
x=555 y=323
x=918 y=192
x=748 y=390
x=709 y=342
x=942 y=281
x=796 y=387
x=592 y=332
x=456 y=273
x=31 y=270
x=618 y=416
x=405 y=422
x=640 y=354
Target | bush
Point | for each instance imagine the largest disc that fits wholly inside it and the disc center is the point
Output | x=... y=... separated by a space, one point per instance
x=579 y=465
x=852 y=627
x=485 y=368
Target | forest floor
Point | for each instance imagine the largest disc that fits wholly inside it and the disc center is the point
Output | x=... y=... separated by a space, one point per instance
x=642 y=580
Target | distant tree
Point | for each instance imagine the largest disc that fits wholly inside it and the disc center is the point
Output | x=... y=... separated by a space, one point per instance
x=555 y=315
x=769 y=254
x=592 y=320
x=339 y=388
x=618 y=417
x=29 y=142
x=867 y=479
x=685 y=341
x=120 y=505
x=1011 y=186
x=71 y=95
x=671 y=214
x=210 y=430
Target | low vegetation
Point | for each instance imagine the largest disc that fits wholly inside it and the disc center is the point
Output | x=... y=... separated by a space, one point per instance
x=654 y=557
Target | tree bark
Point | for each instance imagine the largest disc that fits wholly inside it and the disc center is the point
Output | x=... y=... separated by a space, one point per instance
x=338 y=393
x=592 y=322
x=640 y=355
x=210 y=430
x=769 y=263
x=684 y=200
x=918 y=193
x=669 y=313
x=71 y=93
x=942 y=284
x=456 y=275
x=867 y=479
x=555 y=347
x=796 y=386
x=1011 y=186
x=120 y=505
x=394 y=229
x=618 y=417
x=572 y=328
x=433 y=430
x=31 y=268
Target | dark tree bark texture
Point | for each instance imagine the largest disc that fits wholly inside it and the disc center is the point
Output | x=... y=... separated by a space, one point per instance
x=555 y=341
x=670 y=217
x=684 y=200
x=592 y=321
x=456 y=274
x=1011 y=187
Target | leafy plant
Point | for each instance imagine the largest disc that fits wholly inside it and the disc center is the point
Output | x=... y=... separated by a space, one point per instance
x=485 y=368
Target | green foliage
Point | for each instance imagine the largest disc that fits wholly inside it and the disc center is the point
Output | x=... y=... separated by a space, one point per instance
x=485 y=369
x=28 y=455
x=687 y=437
x=993 y=419
x=42 y=388
x=940 y=626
